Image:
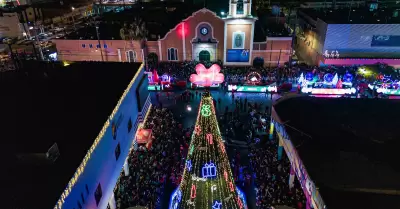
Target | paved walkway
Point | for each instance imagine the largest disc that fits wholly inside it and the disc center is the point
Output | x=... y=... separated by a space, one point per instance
x=188 y=112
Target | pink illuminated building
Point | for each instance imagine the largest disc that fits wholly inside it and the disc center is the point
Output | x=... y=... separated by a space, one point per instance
x=202 y=36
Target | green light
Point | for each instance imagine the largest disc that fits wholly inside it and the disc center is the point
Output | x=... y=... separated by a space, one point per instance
x=191 y=150
x=205 y=110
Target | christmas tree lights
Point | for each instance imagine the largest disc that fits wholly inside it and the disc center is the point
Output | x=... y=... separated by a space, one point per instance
x=207 y=181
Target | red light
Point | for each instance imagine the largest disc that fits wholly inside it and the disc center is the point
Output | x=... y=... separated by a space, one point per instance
x=182 y=29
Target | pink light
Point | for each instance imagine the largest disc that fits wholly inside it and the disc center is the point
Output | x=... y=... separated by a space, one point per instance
x=209 y=138
x=231 y=186
x=207 y=77
x=197 y=130
x=328 y=91
x=193 y=191
x=226 y=176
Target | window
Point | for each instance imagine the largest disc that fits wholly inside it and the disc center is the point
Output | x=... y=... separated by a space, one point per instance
x=129 y=125
x=114 y=130
x=90 y=45
x=172 y=54
x=239 y=7
x=117 y=151
x=98 y=194
x=105 y=46
x=83 y=198
x=83 y=45
x=87 y=189
x=98 y=46
x=131 y=56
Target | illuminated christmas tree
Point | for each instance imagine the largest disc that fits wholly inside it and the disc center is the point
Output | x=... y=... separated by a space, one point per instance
x=207 y=181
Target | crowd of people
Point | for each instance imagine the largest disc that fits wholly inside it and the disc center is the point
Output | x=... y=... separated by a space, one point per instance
x=272 y=179
x=250 y=121
x=150 y=170
x=183 y=70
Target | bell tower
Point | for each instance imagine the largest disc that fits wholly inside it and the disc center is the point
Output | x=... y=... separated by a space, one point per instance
x=239 y=32
x=240 y=8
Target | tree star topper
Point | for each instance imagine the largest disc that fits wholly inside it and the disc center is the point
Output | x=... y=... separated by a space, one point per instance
x=207 y=77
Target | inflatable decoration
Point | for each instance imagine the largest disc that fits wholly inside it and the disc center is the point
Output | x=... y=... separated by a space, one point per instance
x=207 y=77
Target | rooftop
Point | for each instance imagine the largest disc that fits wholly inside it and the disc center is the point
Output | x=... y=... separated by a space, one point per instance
x=269 y=25
x=357 y=16
x=351 y=148
x=48 y=103
x=159 y=18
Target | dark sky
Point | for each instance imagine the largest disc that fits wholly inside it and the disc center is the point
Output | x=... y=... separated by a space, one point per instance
x=215 y=5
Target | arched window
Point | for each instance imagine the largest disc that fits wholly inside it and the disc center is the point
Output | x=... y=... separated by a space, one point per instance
x=131 y=56
x=172 y=54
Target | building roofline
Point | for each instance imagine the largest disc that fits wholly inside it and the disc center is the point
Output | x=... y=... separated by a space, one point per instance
x=204 y=10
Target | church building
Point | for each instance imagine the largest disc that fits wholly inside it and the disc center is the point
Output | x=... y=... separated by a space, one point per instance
x=202 y=36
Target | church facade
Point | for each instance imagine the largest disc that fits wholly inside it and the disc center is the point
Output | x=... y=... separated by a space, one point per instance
x=203 y=36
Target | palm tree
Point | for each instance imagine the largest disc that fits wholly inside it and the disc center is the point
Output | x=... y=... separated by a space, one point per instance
x=136 y=31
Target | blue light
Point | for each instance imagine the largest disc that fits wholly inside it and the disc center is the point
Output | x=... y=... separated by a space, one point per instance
x=309 y=76
x=209 y=170
x=189 y=165
x=328 y=77
x=347 y=77
x=217 y=205
x=242 y=197
x=175 y=199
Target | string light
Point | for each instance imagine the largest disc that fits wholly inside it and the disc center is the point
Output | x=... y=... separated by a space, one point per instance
x=99 y=137
x=207 y=155
x=209 y=138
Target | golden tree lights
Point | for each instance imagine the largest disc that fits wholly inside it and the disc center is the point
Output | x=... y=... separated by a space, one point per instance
x=207 y=181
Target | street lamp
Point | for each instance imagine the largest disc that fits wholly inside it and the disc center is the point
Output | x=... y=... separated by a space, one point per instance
x=73 y=19
x=98 y=40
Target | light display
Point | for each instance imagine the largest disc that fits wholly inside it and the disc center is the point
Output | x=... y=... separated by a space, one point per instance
x=328 y=91
x=193 y=191
x=154 y=87
x=207 y=77
x=217 y=205
x=205 y=110
x=209 y=138
x=209 y=170
x=210 y=161
x=271 y=88
x=388 y=91
x=189 y=165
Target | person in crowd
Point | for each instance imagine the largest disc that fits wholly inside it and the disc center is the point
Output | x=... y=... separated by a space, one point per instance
x=150 y=169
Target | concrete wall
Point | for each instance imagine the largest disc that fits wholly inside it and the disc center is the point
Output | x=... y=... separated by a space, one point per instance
x=102 y=166
x=10 y=25
x=176 y=38
x=72 y=50
x=276 y=50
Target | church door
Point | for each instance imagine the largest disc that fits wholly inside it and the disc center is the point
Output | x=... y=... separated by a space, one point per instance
x=204 y=55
